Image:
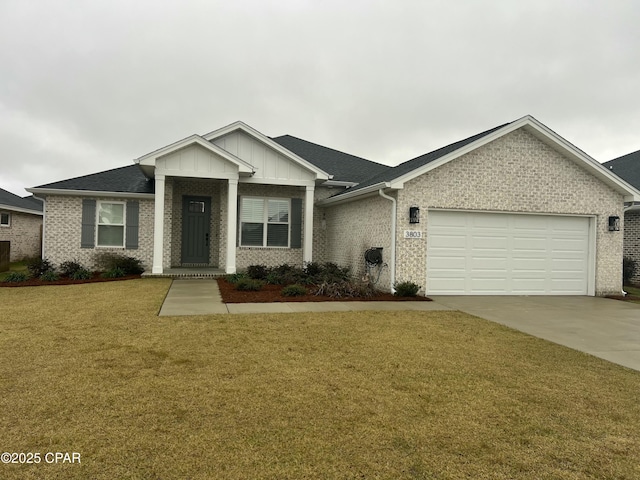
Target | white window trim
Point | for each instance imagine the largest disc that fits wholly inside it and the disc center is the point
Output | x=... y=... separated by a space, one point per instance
x=6 y=225
x=265 y=222
x=124 y=223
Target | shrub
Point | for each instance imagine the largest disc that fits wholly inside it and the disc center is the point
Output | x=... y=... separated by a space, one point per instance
x=49 y=276
x=38 y=266
x=68 y=268
x=81 y=274
x=294 y=290
x=332 y=273
x=406 y=289
x=115 y=272
x=313 y=269
x=628 y=269
x=286 y=275
x=111 y=261
x=249 y=285
x=234 y=278
x=258 y=272
x=16 y=277
x=345 y=289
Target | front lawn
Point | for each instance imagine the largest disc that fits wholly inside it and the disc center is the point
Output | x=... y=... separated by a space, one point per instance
x=438 y=395
x=14 y=267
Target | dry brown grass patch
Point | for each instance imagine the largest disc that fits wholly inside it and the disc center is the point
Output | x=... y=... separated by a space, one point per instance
x=92 y=369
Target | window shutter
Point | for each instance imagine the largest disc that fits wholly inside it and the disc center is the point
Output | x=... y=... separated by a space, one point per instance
x=238 y=222
x=296 y=223
x=88 y=235
x=133 y=214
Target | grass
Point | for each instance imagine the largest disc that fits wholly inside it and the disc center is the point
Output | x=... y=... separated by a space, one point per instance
x=14 y=267
x=440 y=395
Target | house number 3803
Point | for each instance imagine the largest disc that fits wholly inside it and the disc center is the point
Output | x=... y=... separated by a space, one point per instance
x=412 y=234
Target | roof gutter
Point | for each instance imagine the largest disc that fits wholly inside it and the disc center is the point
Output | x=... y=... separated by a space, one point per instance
x=348 y=196
x=20 y=209
x=394 y=216
x=89 y=193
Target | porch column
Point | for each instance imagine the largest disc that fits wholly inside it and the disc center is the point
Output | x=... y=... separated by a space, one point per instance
x=307 y=247
x=232 y=227
x=158 y=224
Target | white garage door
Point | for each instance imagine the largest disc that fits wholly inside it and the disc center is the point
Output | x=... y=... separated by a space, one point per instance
x=506 y=254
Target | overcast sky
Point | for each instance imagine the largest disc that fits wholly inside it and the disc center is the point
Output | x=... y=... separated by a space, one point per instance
x=86 y=86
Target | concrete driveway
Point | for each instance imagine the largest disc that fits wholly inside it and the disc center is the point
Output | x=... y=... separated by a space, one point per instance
x=602 y=327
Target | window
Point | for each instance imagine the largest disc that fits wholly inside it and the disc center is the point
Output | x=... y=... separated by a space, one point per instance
x=5 y=220
x=110 y=224
x=264 y=222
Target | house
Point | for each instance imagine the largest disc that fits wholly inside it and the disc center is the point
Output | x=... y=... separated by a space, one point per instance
x=514 y=210
x=21 y=225
x=627 y=167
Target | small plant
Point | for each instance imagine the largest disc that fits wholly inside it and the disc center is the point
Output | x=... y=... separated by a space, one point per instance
x=346 y=289
x=112 y=261
x=628 y=270
x=258 y=272
x=406 y=289
x=16 y=277
x=116 y=272
x=313 y=269
x=81 y=274
x=68 y=268
x=38 y=266
x=234 y=278
x=249 y=285
x=294 y=290
x=49 y=276
x=285 y=275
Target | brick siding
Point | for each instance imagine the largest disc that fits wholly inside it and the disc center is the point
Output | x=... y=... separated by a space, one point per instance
x=64 y=226
x=515 y=173
x=24 y=234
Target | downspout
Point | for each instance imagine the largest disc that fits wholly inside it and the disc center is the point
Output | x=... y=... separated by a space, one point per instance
x=624 y=210
x=392 y=268
x=44 y=223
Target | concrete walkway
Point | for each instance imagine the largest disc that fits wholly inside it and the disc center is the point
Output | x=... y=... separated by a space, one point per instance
x=202 y=297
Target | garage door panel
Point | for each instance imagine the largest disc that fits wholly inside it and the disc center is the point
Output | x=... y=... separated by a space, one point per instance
x=507 y=254
x=448 y=242
x=488 y=263
x=449 y=263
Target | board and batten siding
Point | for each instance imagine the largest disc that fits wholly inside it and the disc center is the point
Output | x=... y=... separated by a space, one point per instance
x=269 y=164
x=195 y=161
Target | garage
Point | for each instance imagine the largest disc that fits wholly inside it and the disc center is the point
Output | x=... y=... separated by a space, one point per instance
x=478 y=253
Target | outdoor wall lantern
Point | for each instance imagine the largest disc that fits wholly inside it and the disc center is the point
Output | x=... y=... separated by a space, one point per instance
x=414 y=214
x=614 y=224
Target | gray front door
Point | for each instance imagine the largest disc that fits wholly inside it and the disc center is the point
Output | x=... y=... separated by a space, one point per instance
x=196 y=217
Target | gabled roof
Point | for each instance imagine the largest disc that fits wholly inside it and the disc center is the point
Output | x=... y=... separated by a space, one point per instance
x=626 y=167
x=128 y=180
x=393 y=173
x=150 y=158
x=321 y=174
x=343 y=166
x=9 y=201
x=396 y=177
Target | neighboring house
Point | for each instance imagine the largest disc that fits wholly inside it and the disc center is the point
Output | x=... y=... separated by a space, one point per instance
x=627 y=167
x=515 y=210
x=21 y=225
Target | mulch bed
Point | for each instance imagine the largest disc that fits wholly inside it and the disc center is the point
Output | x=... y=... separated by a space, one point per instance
x=36 y=282
x=625 y=298
x=271 y=294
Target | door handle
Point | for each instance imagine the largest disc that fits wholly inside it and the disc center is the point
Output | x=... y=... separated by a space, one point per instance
x=206 y=239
